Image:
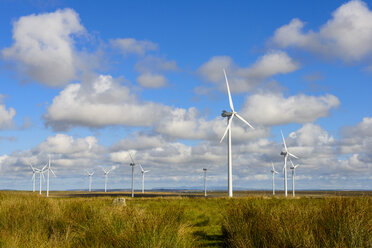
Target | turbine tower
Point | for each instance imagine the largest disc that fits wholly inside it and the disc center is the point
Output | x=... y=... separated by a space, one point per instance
x=205 y=181
x=90 y=174
x=132 y=165
x=49 y=169
x=285 y=153
x=293 y=168
x=230 y=116
x=106 y=172
x=273 y=171
x=143 y=178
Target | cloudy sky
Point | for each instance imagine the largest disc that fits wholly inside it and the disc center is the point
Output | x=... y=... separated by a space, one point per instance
x=88 y=83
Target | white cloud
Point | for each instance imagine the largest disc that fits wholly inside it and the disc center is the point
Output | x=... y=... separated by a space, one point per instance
x=68 y=155
x=100 y=101
x=155 y=64
x=130 y=45
x=357 y=139
x=150 y=80
x=190 y=124
x=43 y=47
x=275 y=109
x=244 y=79
x=348 y=35
x=6 y=116
x=151 y=69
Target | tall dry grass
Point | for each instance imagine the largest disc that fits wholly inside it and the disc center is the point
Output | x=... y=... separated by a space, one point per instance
x=31 y=221
x=328 y=222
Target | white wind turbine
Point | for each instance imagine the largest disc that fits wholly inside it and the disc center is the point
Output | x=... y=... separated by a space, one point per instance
x=293 y=168
x=106 y=172
x=273 y=171
x=230 y=116
x=285 y=153
x=205 y=181
x=49 y=169
x=90 y=174
x=41 y=173
x=132 y=165
x=34 y=172
x=143 y=178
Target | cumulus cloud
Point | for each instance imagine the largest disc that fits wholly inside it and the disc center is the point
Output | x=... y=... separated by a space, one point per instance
x=243 y=79
x=151 y=70
x=6 y=117
x=100 y=101
x=358 y=138
x=67 y=153
x=130 y=45
x=43 y=47
x=347 y=35
x=150 y=80
x=190 y=124
x=276 y=109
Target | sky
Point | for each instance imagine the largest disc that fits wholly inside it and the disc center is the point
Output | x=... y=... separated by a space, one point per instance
x=87 y=82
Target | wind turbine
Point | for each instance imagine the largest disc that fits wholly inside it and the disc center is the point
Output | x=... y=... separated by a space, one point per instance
x=90 y=174
x=143 y=178
x=49 y=169
x=205 y=181
x=230 y=116
x=273 y=171
x=106 y=172
x=293 y=168
x=41 y=173
x=132 y=165
x=285 y=153
x=34 y=171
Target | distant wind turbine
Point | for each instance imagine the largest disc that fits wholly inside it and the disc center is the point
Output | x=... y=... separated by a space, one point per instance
x=230 y=116
x=273 y=171
x=90 y=174
x=34 y=172
x=132 y=165
x=41 y=173
x=143 y=178
x=106 y=172
x=205 y=181
x=293 y=168
x=285 y=153
x=49 y=169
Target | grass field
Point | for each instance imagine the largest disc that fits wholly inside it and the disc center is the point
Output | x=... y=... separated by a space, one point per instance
x=252 y=219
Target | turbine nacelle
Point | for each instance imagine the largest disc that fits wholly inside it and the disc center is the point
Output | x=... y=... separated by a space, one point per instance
x=226 y=114
x=283 y=153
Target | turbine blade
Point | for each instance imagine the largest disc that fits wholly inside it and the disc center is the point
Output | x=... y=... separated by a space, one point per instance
x=242 y=119
x=141 y=168
x=228 y=91
x=52 y=172
x=130 y=155
x=285 y=145
x=227 y=128
x=292 y=155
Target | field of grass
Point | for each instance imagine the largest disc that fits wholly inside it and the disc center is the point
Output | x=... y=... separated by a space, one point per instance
x=30 y=220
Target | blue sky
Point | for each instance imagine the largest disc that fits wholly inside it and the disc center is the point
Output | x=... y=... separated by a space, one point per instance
x=89 y=81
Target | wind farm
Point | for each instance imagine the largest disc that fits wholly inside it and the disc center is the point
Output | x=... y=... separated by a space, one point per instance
x=185 y=124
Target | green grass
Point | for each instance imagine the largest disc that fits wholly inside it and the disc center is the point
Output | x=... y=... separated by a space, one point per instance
x=327 y=222
x=28 y=220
